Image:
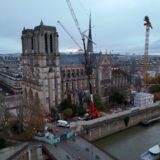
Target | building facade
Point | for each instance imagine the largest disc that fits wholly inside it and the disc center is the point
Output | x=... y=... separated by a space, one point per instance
x=122 y=81
x=10 y=61
x=11 y=80
x=41 y=68
x=10 y=73
x=51 y=77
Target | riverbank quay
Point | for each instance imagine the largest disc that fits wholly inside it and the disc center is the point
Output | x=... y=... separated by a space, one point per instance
x=111 y=123
x=71 y=148
x=79 y=149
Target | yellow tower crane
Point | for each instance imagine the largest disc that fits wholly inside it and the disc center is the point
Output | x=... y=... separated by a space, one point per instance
x=145 y=63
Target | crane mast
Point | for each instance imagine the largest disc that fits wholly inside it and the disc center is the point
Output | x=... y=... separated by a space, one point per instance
x=74 y=17
x=148 y=26
x=88 y=67
x=69 y=34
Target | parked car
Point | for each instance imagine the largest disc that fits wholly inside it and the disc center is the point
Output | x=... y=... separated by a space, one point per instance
x=63 y=123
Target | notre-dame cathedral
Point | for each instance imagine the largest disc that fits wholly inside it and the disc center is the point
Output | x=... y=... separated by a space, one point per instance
x=50 y=76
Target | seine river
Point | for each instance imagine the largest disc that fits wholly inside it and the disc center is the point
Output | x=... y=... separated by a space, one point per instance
x=129 y=144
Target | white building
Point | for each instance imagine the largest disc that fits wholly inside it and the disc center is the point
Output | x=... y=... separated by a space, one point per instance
x=142 y=99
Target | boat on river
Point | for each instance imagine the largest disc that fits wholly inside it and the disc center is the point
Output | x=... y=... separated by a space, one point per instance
x=152 y=154
x=150 y=121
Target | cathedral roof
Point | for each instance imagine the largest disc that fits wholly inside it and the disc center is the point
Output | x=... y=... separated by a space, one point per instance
x=67 y=59
x=78 y=59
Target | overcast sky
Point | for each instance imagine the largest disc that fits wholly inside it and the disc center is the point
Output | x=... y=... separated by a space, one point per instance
x=117 y=24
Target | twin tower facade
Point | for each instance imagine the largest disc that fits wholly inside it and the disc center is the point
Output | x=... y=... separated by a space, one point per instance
x=41 y=66
x=49 y=77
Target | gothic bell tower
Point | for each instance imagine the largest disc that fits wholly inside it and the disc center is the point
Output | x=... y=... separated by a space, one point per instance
x=41 y=67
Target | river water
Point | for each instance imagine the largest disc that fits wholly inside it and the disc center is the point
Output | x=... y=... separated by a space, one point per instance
x=130 y=143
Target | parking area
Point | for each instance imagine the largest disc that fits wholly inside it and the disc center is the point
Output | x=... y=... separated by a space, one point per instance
x=56 y=130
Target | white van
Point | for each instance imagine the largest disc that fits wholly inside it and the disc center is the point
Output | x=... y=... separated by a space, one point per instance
x=63 y=123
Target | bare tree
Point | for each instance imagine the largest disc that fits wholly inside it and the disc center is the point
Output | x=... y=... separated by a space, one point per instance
x=30 y=118
x=3 y=112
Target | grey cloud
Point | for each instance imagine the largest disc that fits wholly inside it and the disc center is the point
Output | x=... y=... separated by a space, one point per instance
x=119 y=23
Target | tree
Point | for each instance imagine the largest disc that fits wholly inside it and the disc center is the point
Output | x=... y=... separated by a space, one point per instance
x=98 y=102
x=67 y=113
x=3 y=112
x=66 y=103
x=2 y=143
x=80 y=111
x=32 y=117
x=158 y=79
x=116 y=96
x=150 y=80
x=154 y=88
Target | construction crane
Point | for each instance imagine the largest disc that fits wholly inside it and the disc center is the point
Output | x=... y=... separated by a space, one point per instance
x=78 y=45
x=88 y=68
x=145 y=63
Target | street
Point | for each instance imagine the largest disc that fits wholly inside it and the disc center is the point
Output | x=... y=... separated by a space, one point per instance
x=79 y=149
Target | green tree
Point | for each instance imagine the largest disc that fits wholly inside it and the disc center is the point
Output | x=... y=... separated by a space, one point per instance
x=2 y=143
x=67 y=113
x=154 y=88
x=116 y=96
x=98 y=102
x=66 y=103
x=80 y=111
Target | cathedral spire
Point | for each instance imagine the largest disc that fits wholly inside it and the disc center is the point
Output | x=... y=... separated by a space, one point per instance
x=90 y=43
x=41 y=23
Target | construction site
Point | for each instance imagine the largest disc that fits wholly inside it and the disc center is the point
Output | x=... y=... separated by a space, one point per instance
x=64 y=102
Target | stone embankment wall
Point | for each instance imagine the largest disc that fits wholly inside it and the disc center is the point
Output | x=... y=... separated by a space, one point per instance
x=107 y=125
